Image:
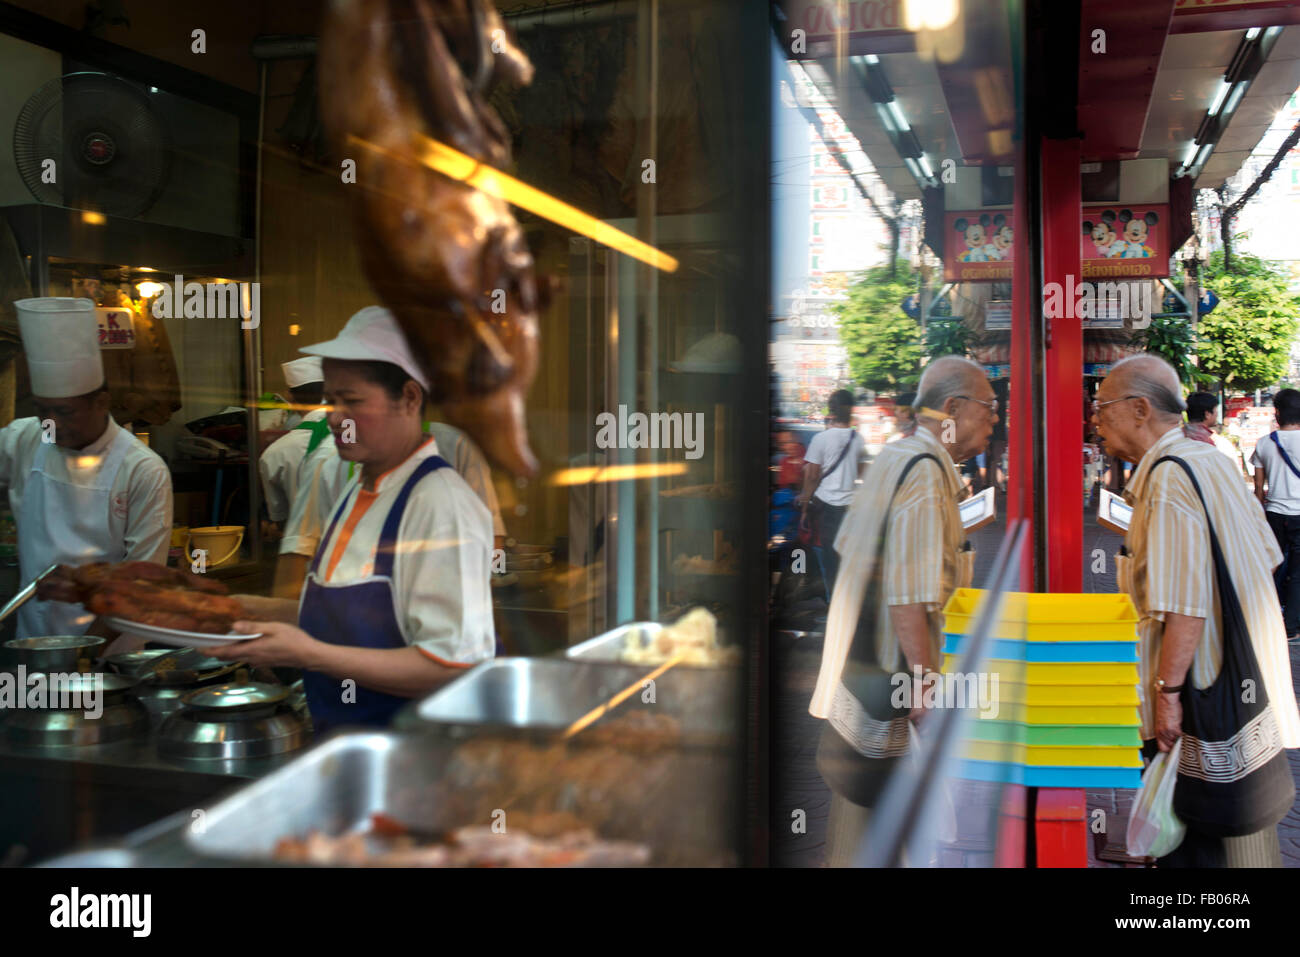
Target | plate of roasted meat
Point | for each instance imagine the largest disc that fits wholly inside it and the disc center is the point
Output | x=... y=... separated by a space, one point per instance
x=167 y=605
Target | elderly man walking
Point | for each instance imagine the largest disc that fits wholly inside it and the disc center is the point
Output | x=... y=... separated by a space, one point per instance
x=1200 y=574
x=901 y=558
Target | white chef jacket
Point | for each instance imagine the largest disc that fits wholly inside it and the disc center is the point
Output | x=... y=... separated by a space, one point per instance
x=280 y=467
x=441 y=572
x=323 y=476
x=140 y=515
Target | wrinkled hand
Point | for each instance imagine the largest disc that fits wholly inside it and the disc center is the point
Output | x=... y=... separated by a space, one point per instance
x=1169 y=720
x=281 y=645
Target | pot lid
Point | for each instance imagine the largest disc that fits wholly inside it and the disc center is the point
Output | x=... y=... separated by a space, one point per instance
x=52 y=642
x=236 y=695
x=106 y=682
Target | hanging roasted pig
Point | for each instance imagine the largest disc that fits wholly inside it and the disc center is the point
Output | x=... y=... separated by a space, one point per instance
x=449 y=260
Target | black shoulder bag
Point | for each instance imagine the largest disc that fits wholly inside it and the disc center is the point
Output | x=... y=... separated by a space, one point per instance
x=1233 y=775
x=845 y=769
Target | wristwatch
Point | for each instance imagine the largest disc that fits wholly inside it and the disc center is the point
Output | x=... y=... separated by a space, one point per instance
x=1166 y=688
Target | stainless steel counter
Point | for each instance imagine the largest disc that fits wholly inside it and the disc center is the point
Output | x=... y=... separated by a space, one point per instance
x=55 y=799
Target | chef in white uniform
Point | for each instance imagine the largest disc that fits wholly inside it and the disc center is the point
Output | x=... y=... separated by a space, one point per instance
x=280 y=463
x=81 y=488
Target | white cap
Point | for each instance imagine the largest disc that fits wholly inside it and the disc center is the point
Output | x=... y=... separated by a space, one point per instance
x=304 y=371
x=372 y=334
x=61 y=340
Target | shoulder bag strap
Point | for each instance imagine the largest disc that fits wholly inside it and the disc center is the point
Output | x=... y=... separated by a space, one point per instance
x=877 y=572
x=853 y=434
x=1229 y=604
x=1282 y=452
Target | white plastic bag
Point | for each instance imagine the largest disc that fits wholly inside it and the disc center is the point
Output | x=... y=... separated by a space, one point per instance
x=945 y=815
x=1154 y=830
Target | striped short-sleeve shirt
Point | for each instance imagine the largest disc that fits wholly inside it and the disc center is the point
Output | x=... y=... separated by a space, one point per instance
x=1173 y=570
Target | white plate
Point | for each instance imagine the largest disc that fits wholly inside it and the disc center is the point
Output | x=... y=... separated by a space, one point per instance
x=174 y=636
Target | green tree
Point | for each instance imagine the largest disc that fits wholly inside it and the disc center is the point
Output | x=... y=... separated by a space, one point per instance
x=1171 y=338
x=946 y=337
x=884 y=346
x=1246 y=341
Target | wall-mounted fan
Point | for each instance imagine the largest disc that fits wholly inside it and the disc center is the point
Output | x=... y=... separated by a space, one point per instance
x=111 y=151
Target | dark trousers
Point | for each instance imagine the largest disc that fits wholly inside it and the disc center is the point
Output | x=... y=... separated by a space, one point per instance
x=828 y=527
x=1286 y=528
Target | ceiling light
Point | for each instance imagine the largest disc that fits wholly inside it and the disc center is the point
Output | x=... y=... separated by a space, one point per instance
x=900 y=121
x=1219 y=94
x=912 y=167
x=1203 y=155
x=929 y=14
x=885 y=118
x=1252 y=33
x=1191 y=154
x=148 y=290
x=926 y=168
x=1238 y=91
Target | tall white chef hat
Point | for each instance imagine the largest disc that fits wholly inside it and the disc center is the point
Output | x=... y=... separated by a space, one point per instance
x=372 y=334
x=304 y=371
x=61 y=340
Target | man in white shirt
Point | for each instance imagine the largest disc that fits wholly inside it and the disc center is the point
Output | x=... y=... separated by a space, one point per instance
x=831 y=467
x=82 y=488
x=280 y=462
x=1277 y=486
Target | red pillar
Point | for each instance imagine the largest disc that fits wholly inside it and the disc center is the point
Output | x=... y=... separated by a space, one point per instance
x=1020 y=415
x=1061 y=204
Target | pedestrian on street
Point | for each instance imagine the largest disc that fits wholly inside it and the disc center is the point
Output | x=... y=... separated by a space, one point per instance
x=831 y=468
x=1277 y=486
x=901 y=546
x=1214 y=668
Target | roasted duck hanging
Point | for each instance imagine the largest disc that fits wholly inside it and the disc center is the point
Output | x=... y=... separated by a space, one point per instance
x=449 y=260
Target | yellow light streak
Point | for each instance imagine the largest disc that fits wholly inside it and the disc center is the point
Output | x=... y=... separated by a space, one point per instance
x=617 y=473
x=91 y=218
x=465 y=169
x=596 y=713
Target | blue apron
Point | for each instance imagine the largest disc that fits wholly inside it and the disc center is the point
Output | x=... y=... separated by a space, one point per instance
x=359 y=614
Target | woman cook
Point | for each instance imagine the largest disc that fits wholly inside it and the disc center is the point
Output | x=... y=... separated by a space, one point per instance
x=397 y=597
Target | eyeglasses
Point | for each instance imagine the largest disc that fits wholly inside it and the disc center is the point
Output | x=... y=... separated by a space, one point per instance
x=1098 y=406
x=990 y=404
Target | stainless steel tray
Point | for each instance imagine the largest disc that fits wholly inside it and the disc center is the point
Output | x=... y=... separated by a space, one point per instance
x=609 y=646
x=682 y=807
x=546 y=696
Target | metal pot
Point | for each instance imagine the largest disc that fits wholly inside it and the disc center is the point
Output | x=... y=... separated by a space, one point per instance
x=53 y=653
x=122 y=717
x=232 y=722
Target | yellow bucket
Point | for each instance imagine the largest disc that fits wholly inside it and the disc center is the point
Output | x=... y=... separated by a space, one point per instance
x=1064 y=673
x=1047 y=617
x=221 y=542
x=1083 y=757
x=1123 y=715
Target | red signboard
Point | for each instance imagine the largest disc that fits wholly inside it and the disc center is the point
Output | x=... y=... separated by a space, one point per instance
x=978 y=245
x=1233 y=405
x=1130 y=242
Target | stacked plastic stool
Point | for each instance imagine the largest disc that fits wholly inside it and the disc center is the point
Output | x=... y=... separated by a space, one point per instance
x=1059 y=701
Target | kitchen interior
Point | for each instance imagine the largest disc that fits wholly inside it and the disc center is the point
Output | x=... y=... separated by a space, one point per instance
x=214 y=166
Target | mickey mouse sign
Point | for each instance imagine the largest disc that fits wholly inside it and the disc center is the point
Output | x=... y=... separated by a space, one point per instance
x=979 y=245
x=1125 y=241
